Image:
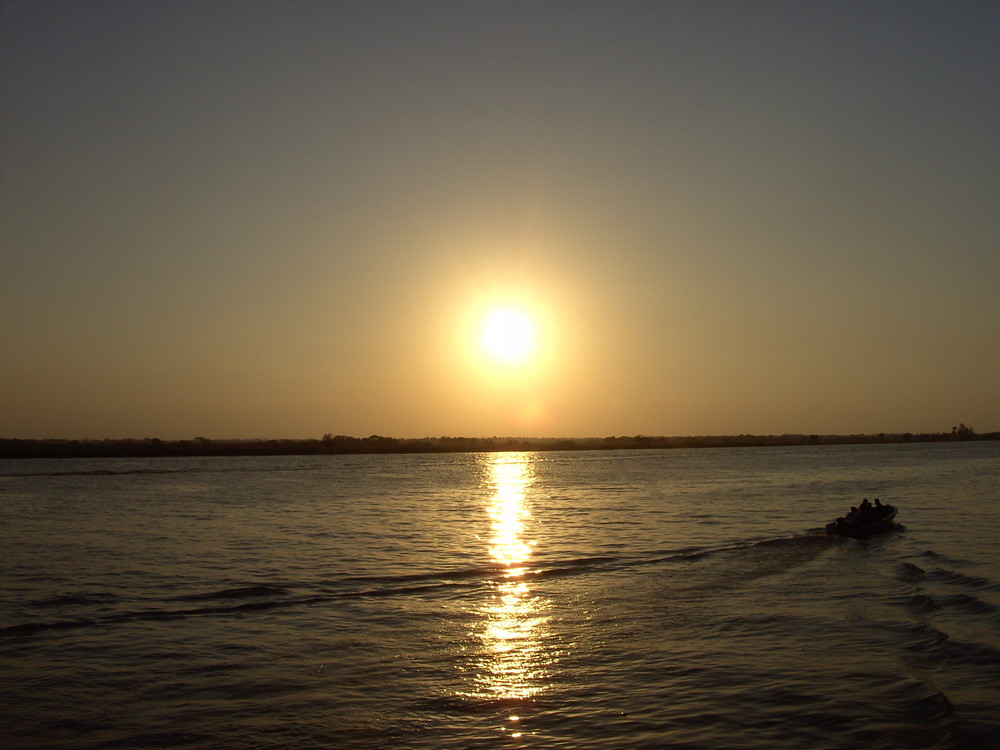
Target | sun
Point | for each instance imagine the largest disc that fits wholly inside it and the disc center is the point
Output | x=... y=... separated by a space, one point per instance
x=507 y=335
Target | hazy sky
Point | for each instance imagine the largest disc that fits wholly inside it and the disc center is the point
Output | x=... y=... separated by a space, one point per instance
x=281 y=219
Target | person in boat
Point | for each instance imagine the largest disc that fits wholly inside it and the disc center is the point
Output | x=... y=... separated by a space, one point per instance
x=865 y=511
x=852 y=518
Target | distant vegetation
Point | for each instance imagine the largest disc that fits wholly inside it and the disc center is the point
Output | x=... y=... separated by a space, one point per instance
x=345 y=444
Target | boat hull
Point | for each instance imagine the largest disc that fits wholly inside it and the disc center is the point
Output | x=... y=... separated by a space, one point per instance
x=864 y=530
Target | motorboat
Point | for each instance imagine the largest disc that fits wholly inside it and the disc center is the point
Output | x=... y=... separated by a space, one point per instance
x=873 y=525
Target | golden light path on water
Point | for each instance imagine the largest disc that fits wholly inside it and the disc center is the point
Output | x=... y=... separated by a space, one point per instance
x=513 y=661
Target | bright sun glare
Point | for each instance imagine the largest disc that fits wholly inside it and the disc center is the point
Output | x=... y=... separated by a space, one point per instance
x=507 y=335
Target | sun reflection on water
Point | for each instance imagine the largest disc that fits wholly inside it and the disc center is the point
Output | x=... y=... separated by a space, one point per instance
x=512 y=661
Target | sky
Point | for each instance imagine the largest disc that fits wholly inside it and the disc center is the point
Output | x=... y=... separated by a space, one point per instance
x=244 y=219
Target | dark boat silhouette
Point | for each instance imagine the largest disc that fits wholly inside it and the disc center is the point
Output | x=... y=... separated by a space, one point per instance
x=864 y=530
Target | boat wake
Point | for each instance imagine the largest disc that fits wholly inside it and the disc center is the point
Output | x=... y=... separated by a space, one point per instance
x=96 y=609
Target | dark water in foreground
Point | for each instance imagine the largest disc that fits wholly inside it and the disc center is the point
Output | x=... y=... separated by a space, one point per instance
x=661 y=599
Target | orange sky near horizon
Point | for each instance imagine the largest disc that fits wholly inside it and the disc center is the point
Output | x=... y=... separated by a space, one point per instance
x=255 y=220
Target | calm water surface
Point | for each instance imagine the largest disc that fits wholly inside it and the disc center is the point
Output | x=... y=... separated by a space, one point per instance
x=635 y=599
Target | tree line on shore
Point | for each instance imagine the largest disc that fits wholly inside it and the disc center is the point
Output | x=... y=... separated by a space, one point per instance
x=346 y=444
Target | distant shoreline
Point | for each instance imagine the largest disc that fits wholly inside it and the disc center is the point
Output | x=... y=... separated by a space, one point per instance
x=377 y=444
